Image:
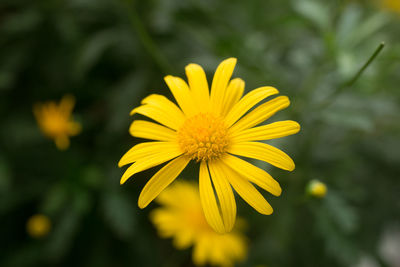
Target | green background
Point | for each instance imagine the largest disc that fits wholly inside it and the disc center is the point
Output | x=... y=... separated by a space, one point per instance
x=110 y=54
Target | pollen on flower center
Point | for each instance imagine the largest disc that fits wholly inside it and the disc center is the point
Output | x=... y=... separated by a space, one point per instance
x=203 y=137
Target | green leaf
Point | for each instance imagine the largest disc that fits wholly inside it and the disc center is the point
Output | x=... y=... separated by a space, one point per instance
x=119 y=213
x=316 y=11
x=55 y=199
x=94 y=48
x=92 y=176
x=5 y=176
x=341 y=212
x=61 y=238
x=350 y=119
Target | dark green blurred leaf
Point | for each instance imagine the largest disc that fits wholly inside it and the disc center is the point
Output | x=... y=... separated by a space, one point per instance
x=5 y=176
x=63 y=234
x=342 y=213
x=92 y=176
x=55 y=199
x=316 y=11
x=94 y=48
x=119 y=212
x=21 y=22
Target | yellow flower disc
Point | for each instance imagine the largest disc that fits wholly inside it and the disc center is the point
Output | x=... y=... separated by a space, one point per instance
x=203 y=137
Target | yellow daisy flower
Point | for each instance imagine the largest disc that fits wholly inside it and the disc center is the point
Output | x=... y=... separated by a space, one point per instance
x=55 y=120
x=181 y=218
x=38 y=226
x=211 y=128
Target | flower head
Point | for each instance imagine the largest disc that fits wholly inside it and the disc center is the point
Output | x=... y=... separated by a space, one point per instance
x=55 y=120
x=38 y=226
x=181 y=217
x=316 y=189
x=211 y=127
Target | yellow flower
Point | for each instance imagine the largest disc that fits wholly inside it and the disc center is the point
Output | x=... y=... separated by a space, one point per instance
x=181 y=218
x=38 y=226
x=393 y=5
x=55 y=120
x=316 y=189
x=210 y=128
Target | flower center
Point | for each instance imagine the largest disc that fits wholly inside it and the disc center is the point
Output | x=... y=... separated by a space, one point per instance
x=55 y=124
x=203 y=137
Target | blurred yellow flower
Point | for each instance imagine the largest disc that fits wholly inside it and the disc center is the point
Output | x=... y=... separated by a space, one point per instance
x=316 y=189
x=55 y=120
x=181 y=218
x=393 y=5
x=211 y=127
x=38 y=226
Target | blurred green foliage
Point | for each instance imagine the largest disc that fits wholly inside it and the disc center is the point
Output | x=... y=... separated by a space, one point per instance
x=112 y=53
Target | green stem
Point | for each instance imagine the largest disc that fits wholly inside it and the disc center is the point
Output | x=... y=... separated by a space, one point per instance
x=147 y=42
x=360 y=72
x=351 y=81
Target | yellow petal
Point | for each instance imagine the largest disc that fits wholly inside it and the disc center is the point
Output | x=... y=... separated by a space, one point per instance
x=237 y=244
x=253 y=174
x=266 y=132
x=225 y=195
x=161 y=109
x=208 y=201
x=62 y=142
x=237 y=248
x=200 y=250
x=183 y=239
x=220 y=81
x=165 y=222
x=232 y=95
x=182 y=94
x=198 y=85
x=150 y=130
x=50 y=107
x=264 y=152
x=174 y=196
x=248 y=192
x=161 y=180
x=160 y=100
x=261 y=113
x=159 y=115
x=74 y=128
x=218 y=252
x=147 y=149
x=67 y=104
x=148 y=162
x=247 y=102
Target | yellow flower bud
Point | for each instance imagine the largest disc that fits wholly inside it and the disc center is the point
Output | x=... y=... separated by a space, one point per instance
x=38 y=226
x=317 y=189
